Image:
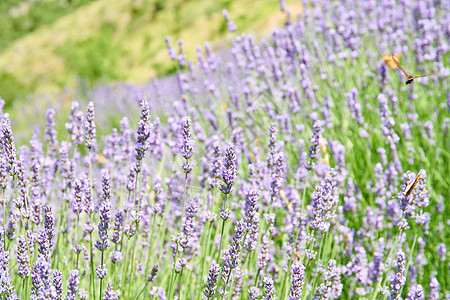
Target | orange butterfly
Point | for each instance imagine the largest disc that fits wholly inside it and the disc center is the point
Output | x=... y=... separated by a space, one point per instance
x=389 y=61
x=410 y=187
x=410 y=78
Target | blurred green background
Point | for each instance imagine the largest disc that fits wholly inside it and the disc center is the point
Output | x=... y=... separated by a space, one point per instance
x=49 y=44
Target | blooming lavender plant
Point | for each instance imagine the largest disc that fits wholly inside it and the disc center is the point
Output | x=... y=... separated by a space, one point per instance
x=325 y=68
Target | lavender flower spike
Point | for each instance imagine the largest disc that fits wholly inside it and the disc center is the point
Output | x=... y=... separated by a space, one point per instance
x=399 y=279
x=8 y=144
x=297 y=281
x=229 y=171
x=187 y=145
x=72 y=285
x=270 y=289
x=212 y=280
x=90 y=126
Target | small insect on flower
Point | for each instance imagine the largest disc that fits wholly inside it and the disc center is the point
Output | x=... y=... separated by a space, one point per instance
x=296 y=254
x=389 y=61
x=410 y=78
x=411 y=186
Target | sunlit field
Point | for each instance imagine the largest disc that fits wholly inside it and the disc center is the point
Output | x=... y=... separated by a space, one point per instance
x=297 y=167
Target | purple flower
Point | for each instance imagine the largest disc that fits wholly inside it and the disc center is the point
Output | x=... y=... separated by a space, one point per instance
x=152 y=275
x=23 y=184
x=315 y=140
x=253 y=293
x=23 y=259
x=187 y=144
x=272 y=145
x=188 y=225
x=433 y=292
x=57 y=283
x=442 y=251
x=118 y=227
x=116 y=257
x=276 y=181
x=101 y=271
x=251 y=218
x=298 y=275
x=216 y=165
x=228 y=171
x=416 y=294
x=77 y=204
x=111 y=294
x=212 y=280
x=231 y=26
x=398 y=280
x=6 y=287
x=9 y=147
x=50 y=133
x=263 y=253
x=143 y=133
x=13 y=220
x=269 y=289
x=232 y=260
x=105 y=215
x=323 y=199
x=90 y=126
x=72 y=285
x=42 y=278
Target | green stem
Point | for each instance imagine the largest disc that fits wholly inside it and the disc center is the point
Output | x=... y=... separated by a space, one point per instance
x=184 y=199
x=92 y=285
x=132 y=258
x=220 y=245
x=78 y=254
x=173 y=273
x=383 y=282
x=101 y=279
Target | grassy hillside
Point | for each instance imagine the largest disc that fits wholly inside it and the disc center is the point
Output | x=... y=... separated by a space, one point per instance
x=113 y=40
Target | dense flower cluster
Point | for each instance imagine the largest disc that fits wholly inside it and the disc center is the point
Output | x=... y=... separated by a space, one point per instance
x=315 y=175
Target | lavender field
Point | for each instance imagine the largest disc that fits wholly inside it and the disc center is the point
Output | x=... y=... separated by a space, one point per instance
x=297 y=167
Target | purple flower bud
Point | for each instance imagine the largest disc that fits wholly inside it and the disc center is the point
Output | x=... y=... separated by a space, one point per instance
x=50 y=133
x=187 y=144
x=269 y=289
x=57 y=283
x=232 y=259
x=212 y=280
x=77 y=204
x=298 y=275
x=103 y=226
x=118 y=227
x=253 y=293
x=442 y=251
x=263 y=254
x=6 y=286
x=111 y=294
x=228 y=171
x=398 y=280
x=315 y=139
x=23 y=259
x=72 y=285
x=101 y=271
x=216 y=165
x=8 y=145
x=251 y=218
x=143 y=132
x=90 y=126
x=152 y=276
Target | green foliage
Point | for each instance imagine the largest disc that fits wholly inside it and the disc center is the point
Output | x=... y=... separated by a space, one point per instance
x=11 y=87
x=18 y=18
x=93 y=59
